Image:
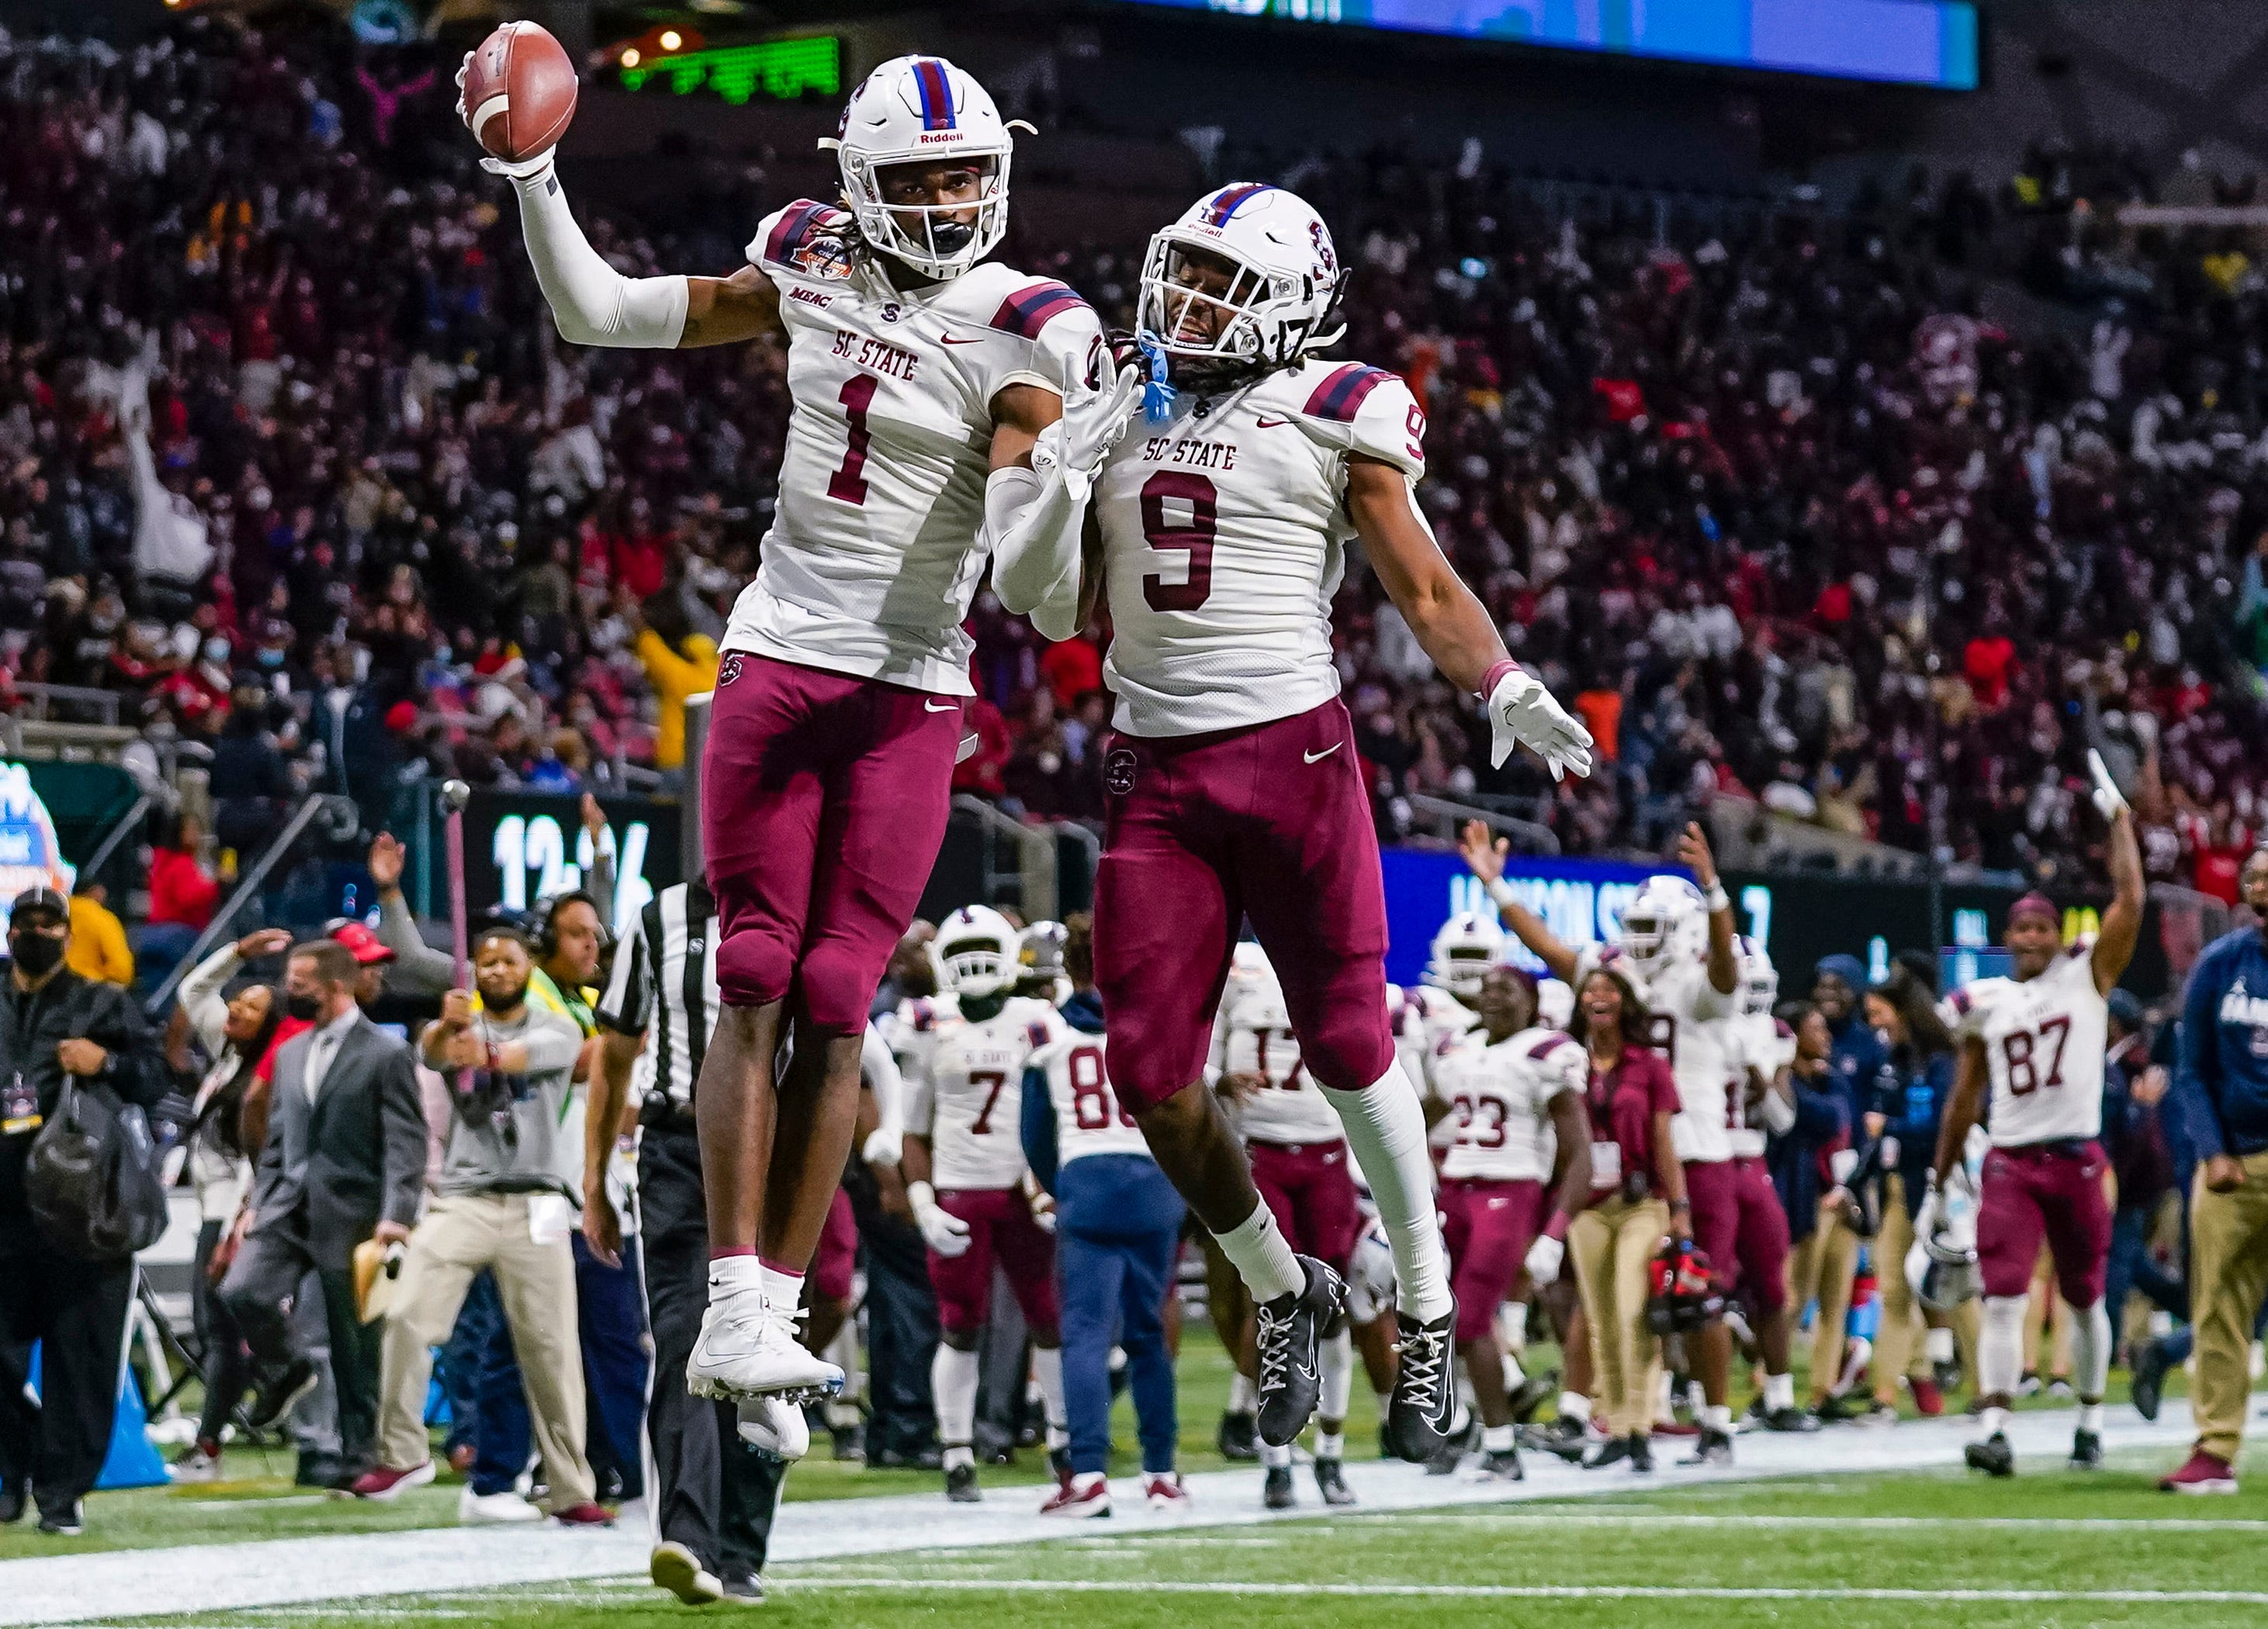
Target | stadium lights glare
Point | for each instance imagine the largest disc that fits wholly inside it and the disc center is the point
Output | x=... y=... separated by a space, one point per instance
x=630 y=57
x=671 y=39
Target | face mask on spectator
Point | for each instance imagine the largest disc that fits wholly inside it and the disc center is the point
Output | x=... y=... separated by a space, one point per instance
x=306 y=1008
x=34 y=952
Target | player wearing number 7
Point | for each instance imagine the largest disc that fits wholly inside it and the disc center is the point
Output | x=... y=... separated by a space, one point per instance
x=922 y=382
x=1234 y=786
x=2039 y=1038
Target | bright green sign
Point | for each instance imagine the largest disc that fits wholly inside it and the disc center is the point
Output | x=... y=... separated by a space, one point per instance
x=782 y=68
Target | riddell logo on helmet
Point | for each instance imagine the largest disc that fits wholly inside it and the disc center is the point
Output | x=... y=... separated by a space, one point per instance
x=932 y=137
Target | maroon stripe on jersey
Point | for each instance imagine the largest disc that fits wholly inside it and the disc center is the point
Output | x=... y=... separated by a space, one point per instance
x=794 y=222
x=1026 y=313
x=1962 y=1002
x=1340 y=396
x=1548 y=1045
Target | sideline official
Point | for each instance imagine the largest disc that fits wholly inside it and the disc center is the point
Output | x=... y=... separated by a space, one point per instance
x=54 y=1023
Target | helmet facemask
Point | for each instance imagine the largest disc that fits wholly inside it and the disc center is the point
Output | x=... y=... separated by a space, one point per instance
x=1219 y=317
x=977 y=965
x=937 y=240
x=1468 y=966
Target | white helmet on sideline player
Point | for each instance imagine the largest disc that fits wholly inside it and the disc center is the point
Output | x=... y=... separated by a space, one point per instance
x=978 y=952
x=1257 y=256
x=1554 y=1003
x=924 y=110
x=1657 y=923
x=1759 y=978
x=1468 y=945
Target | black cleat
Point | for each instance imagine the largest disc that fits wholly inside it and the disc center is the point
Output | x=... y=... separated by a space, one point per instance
x=1562 y=1437
x=744 y=1589
x=1290 y=1329
x=1330 y=1481
x=279 y=1393
x=2086 y=1449
x=1641 y=1454
x=1993 y=1456
x=1532 y=1394
x=1453 y=1448
x=1613 y=1451
x=961 y=1485
x=1278 y=1495
x=1498 y=1465
x=1788 y=1419
x=1715 y=1447
x=1238 y=1438
x=2149 y=1387
x=1836 y=1410
x=1422 y=1409
x=69 y=1523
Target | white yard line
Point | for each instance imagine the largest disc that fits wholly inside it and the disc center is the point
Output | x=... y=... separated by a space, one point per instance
x=1514 y=1592
x=206 y=1578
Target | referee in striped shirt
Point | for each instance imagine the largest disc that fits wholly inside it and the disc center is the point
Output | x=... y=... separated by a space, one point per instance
x=712 y=1497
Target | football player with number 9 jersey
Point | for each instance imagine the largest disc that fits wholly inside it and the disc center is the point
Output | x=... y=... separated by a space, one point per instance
x=1220 y=528
x=2036 y=1042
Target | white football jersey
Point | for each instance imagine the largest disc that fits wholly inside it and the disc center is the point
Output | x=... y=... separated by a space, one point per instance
x=1693 y=1030
x=969 y=1102
x=1224 y=537
x=1252 y=1034
x=1500 y=1096
x=2044 y=1040
x=911 y=1031
x=873 y=558
x=1763 y=1042
x=1428 y=1025
x=1089 y=1117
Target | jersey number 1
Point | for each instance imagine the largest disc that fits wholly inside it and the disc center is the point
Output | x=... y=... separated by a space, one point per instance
x=1197 y=538
x=848 y=484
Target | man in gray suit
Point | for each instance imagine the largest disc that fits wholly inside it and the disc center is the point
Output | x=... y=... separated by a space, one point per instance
x=344 y=1160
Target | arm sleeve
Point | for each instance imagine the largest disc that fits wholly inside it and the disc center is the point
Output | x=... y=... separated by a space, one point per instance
x=2197 y=1080
x=591 y=302
x=1039 y=1127
x=884 y=1078
x=201 y=996
x=418 y=969
x=402 y=1118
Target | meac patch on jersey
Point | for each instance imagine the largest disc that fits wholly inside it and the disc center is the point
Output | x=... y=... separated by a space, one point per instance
x=969 y=1102
x=1692 y=1028
x=1500 y=1097
x=2045 y=1042
x=1224 y=535
x=1089 y=1117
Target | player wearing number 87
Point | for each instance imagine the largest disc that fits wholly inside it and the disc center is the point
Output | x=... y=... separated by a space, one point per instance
x=973 y=1196
x=1222 y=525
x=2038 y=1039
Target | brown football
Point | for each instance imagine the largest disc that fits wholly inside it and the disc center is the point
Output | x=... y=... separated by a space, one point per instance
x=520 y=92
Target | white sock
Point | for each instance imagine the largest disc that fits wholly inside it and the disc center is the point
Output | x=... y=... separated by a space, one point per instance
x=2001 y=1350
x=782 y=1290
x=2090 y=1349
x=1385 y=1404
x=952 y=1379
x=1575 y=1406
x=734 y=1275
x=1338 y=1377
x=1243 y=1396
x=1937 y=1346
x=1779 y=1391
x=1386 y=1128
x=1275 y=1458
x=1263 y=1256
x=2090 y=1417
x=1995 y=1420
x=1047 y=1367
x=1718 y=1417
x=1514 y=1376
x=1664 y=1397
x=1330 y=1444
x=1497 y=1439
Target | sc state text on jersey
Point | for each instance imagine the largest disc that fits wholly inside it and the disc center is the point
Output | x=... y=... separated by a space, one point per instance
x=1194 y=454
x=877 y=354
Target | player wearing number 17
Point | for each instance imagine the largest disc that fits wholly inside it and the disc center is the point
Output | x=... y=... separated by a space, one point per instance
x=919 y=377
x=2039 y=1039
x=1221 y=527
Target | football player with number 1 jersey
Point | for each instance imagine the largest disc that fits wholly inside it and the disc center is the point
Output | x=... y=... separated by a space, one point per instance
x=1221 y=525
x=1675 y=948
x=1516 y=1096
x=2037 y=1041
x=972 y=1195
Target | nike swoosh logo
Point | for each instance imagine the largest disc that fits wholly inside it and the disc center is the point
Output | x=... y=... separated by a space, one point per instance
x=949 y=340
x=1317 y=757
x=930 y=706
x=1269 y=424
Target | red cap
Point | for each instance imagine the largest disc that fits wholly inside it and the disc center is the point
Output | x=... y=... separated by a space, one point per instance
x=363 y=943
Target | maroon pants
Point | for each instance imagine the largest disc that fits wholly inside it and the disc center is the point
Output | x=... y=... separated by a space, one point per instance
x=1761 y=1248
x=831 y=1268
x=1310 y=1188
x=823 y=803
x=1488 y=1227
x=1270 y=823
x=1000 y=1229
x=2050 y=1191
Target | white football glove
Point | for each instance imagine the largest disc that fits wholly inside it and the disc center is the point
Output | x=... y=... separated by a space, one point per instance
x=1522 y=713
x=946 y=1234
x=1092 y=421
x=886 y=1145
x=1545 y=1258
x=2109 y=802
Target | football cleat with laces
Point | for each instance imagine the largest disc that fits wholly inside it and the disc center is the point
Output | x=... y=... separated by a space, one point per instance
x=1422 y=1412
x=773 y=1426
x=1289 y=1331
x=747 y=1348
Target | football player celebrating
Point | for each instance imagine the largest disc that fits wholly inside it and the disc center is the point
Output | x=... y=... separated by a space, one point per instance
x=2039 y=1039
x=1298 y=1156
x=1517 y=1100
x=1234 y=788
x=1436 y=1015
x=1689 y=976
x=921 y=382
x=972 y=1196
x=1763 y=1046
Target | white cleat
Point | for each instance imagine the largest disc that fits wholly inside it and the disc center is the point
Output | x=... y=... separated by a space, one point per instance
x=747 y=1350
x=772 y=1425
x=487 y=1509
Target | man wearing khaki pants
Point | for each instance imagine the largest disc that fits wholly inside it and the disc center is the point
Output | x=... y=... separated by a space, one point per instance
x=497 y=1204
x=2224 y=1084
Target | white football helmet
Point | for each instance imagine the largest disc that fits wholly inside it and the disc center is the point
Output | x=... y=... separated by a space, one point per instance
x=1040 y=953
x=922 y=110
x=1273 y=280
x=1468 y=944
x=1759 y=978
x=1657 y=924
x=978 y=952
x=1554 y=1003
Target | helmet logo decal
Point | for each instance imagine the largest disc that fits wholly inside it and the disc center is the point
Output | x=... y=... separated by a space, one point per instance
x=1229 y=199
x=1327 y=264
